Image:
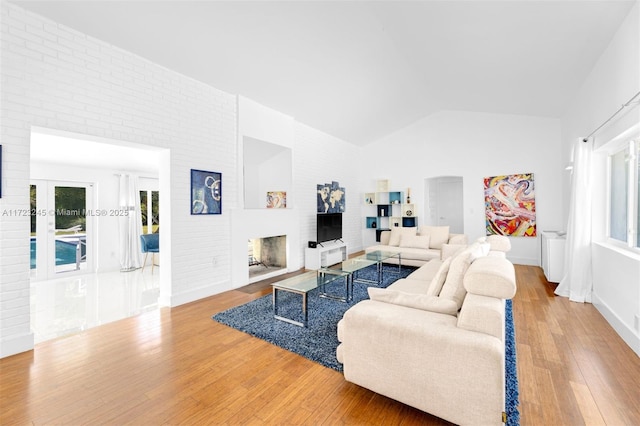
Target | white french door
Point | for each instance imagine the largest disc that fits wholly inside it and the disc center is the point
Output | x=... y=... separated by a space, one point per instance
x=61 y=228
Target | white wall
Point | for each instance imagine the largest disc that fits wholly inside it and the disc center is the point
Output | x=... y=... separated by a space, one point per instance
x=474 y=146
x=614 y=79
x=57 y=78
x=318 y=159
x=54 y=77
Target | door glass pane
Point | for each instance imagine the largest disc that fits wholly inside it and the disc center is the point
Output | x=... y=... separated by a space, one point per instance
x=70 y=228
x=155 y=210
x=32 y=196
x=143 y=210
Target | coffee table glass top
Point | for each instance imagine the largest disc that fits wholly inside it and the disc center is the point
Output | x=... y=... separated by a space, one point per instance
x=306 y=282
x=379 y=255
x=349 y=266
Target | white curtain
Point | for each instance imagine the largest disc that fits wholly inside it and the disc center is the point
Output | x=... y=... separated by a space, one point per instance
x=130 y=223
x=577 y=282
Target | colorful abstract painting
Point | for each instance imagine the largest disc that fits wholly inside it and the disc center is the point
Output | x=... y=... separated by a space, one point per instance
x=510 y=205
x=276 y=199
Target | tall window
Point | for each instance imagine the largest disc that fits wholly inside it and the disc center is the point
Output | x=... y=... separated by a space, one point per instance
x=150 y=209
x=624 y=194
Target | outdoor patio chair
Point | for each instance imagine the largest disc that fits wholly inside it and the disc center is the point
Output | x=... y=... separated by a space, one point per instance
x=150 y=243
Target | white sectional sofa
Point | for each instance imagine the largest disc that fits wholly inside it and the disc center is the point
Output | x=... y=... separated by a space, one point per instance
x=435 y=340
x=417 y=246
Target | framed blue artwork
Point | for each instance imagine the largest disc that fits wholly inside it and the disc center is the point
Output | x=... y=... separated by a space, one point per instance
x=206 y=192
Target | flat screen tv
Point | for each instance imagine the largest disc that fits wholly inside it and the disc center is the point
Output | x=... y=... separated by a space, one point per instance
x=329 y=227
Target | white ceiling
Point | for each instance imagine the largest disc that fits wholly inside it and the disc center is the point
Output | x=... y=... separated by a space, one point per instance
x=360 y=70
x=56 y=149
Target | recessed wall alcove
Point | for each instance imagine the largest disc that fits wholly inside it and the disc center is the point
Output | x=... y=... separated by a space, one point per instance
x=265 y=152
x=266 y=167
x=444 y=202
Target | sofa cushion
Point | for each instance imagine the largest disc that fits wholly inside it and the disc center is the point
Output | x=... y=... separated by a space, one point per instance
x=450 y=250
x=435 y=286
x=398 y=233
x=416 y=301
x=458 y=239
x=491 y=276
x=410 y=285
x=438 y=235
x=418 y=254
x=415 y=241
x=427 y=271
x=453 y=287
x=384 y=237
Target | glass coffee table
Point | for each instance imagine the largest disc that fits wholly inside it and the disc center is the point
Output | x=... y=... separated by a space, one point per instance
x=378 y=257
x=348 y=269
x=303 y=284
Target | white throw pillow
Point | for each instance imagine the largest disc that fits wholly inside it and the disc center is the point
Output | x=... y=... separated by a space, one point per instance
x=415 y=241
x=453 y=287
x=451 y=250
x=397 y=233
x=416 y=301
x=438 y=279
x=438 y=234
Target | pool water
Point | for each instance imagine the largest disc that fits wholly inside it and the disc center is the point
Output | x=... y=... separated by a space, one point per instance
x=65 y=252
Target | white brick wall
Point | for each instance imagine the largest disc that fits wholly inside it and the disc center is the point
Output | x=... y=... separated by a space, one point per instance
x=55 y=77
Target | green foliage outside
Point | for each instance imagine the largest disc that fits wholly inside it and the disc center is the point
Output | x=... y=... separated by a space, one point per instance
x=70 y=205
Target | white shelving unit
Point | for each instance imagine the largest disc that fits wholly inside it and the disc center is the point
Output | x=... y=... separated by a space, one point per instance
x=387 y=209
x=328 y=254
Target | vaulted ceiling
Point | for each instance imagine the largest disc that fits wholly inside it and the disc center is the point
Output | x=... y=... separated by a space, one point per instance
x=360 y=70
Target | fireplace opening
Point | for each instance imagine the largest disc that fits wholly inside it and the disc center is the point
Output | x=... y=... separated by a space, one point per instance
x=267 y=255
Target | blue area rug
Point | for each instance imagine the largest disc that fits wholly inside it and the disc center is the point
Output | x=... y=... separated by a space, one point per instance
x=510 y=367
x=319 y=340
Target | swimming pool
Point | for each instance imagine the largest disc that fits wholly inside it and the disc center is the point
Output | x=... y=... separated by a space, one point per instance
x=65 y=252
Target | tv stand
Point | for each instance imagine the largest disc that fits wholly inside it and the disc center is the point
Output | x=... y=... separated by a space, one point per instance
x=326 y=254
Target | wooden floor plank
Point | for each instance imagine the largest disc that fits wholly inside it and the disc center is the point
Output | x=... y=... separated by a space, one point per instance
x=178 y=366
x=588 y=406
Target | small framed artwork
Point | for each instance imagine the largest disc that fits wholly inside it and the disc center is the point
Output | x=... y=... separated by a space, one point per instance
x=206 y=192
x=277 y=200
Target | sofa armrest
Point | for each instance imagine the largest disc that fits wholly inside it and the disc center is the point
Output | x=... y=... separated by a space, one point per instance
x=458 y=239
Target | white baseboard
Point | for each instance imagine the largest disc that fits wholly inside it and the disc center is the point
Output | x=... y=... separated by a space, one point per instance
x=624 y=331
x=193 y=294
x=523 y=261
x=13 y=345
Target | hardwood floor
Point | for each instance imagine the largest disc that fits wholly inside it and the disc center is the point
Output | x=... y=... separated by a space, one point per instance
x=179 y=366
